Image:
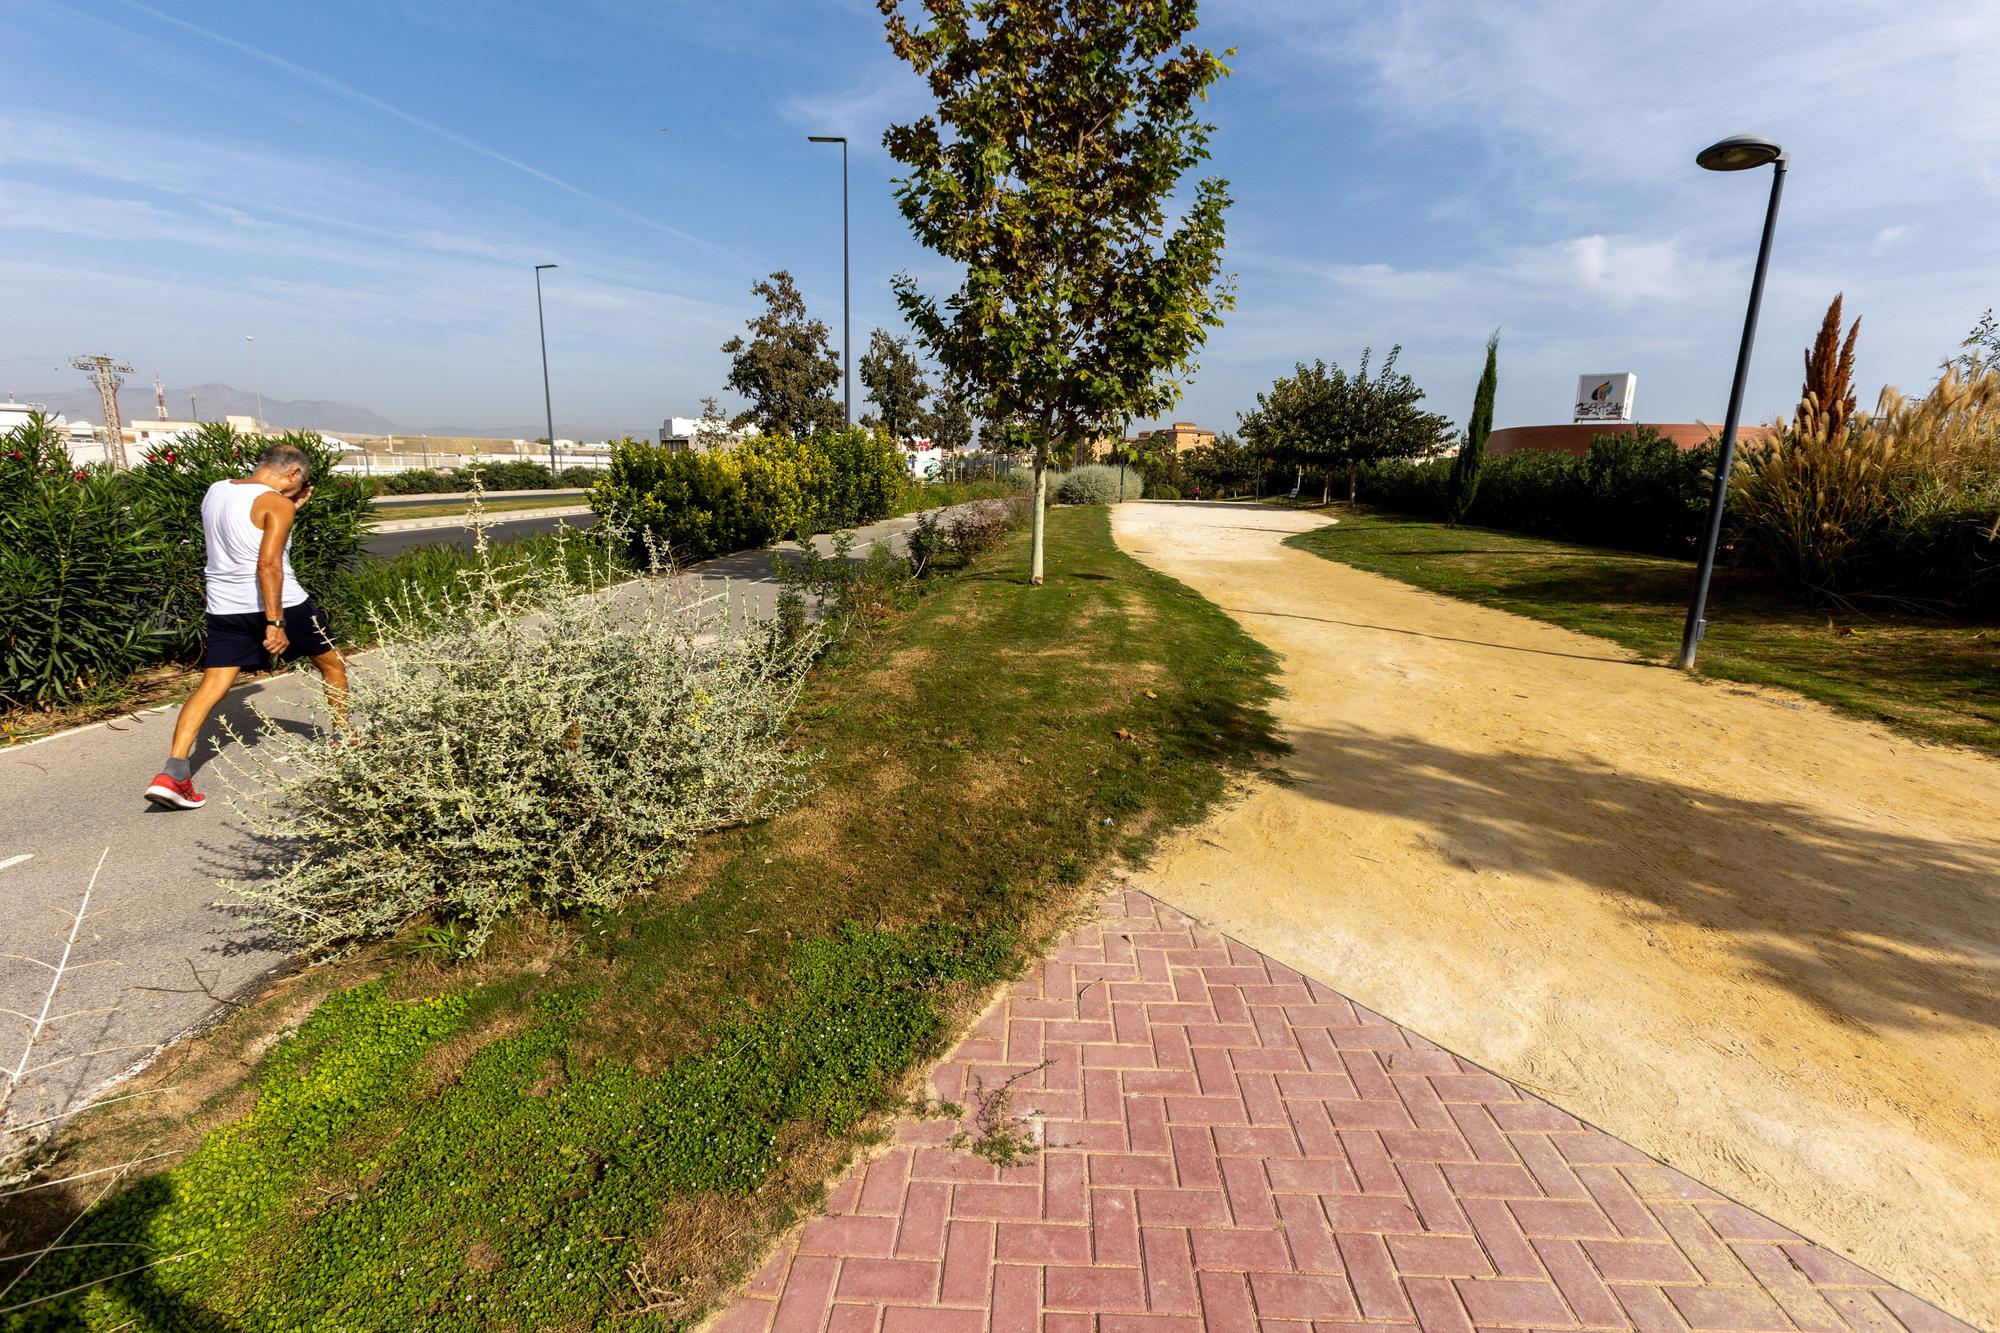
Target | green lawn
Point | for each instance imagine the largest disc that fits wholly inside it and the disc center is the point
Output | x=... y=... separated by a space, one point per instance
x=1936 y=679
x=388 y=513
x=603 y=1119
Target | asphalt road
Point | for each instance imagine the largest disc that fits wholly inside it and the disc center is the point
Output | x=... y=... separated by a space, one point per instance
x=164 y=948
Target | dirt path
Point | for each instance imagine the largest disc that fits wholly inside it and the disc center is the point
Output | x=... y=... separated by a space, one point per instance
x=1758 y=941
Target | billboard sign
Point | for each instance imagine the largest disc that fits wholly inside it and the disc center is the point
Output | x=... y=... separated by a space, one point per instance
x=1605 y=397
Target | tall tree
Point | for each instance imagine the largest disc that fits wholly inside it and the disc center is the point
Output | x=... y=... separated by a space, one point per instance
x=1322 y=418
x=1464 y=486
x=1826 y=400
x=1061 y=129
x=951 y=420
x=895 y=383
x=786 y=368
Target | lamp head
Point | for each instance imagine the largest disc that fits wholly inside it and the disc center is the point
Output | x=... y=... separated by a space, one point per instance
x=826 y=138
x=540 y=267
x=1739 y=152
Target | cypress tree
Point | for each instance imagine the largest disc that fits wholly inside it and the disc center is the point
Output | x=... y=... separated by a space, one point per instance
x=1464 y=484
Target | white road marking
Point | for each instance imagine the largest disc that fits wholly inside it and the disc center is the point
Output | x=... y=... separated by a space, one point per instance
x=16 y=860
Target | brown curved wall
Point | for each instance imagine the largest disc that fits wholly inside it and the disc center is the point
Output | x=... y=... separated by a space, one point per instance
x=1575 y=439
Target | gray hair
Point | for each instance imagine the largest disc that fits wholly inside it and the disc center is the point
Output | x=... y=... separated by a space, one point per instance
x=280 y=457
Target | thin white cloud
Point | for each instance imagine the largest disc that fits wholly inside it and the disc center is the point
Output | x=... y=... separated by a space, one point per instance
x=450 y=136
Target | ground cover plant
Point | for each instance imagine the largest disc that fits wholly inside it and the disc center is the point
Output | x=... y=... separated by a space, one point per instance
x=1933 y=678
x=614 y=1111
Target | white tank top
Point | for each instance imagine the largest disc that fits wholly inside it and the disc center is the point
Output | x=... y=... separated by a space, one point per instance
x=233 y=541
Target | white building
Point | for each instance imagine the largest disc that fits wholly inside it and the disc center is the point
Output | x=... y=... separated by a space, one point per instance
x=697 y=434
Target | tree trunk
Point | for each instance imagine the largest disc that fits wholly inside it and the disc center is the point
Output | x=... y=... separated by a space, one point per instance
x=1041 y=503
x=1326 y=487
x=1353 y=481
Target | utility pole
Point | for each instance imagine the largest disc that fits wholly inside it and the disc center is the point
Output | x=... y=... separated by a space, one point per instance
x=253 y=382
x=548 y=404
x=193 y=415
x=846 y=284
x=106 y=371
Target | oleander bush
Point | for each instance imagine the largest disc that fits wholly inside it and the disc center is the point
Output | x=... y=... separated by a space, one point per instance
x=1097 y=484
x=770 y=487
x=501 y=761
x=101 y=571
x=80 y=595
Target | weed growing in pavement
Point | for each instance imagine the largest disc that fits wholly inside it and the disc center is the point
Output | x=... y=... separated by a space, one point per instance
x=998 y=1135
x=520 y=742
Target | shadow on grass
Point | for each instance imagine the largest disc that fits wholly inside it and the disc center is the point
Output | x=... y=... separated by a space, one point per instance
x=1881 y=927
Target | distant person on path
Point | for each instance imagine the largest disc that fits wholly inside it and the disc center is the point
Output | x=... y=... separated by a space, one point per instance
x=256 y=608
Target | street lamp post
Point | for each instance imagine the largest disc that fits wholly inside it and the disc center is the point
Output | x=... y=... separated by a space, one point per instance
x=548 y=405
x=1739 y=152
x=251 y=342
x=846 y=288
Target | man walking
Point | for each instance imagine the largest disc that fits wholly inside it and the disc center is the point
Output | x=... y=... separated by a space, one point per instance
x=256 y=607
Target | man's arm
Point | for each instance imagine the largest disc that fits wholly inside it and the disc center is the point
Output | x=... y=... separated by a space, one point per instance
x=273 y=513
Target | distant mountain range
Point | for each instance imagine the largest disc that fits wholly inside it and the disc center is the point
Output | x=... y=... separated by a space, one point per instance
x=214 y=401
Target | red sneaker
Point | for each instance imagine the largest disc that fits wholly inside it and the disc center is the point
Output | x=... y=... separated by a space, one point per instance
x=175 y=795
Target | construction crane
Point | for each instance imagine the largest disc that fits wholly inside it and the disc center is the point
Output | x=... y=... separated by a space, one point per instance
x=106 y=370
x=159 y=396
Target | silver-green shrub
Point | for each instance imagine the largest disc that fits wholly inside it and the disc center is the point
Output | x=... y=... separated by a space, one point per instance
x=549 y=746
x=1097 y=484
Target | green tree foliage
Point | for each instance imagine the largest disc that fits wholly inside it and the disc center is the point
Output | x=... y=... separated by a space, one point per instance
x=1323 y=419
x=896 y=385
x=1980 y=351
x=1061 y=129
x=1472 y=453
x=786 y=367
x=951 y=421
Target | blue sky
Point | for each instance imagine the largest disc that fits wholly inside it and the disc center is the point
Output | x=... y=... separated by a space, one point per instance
x=366 y=186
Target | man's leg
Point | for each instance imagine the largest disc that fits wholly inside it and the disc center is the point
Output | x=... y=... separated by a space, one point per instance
x=173 y=787
x=215 y=683
x=332 y=669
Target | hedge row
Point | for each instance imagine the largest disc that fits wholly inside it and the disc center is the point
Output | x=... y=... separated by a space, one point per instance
x=1636 y=491
x=510 y=474
x=701 y=504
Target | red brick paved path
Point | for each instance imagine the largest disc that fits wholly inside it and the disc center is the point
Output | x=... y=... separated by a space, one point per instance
x=1232 y=1146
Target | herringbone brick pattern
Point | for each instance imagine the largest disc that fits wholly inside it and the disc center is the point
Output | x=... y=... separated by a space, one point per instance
x=1228 y=1145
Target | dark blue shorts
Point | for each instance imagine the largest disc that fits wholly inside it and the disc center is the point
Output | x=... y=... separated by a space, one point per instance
x=237 y=639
